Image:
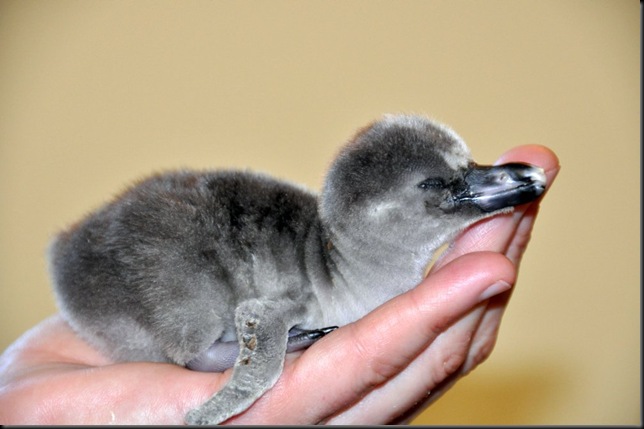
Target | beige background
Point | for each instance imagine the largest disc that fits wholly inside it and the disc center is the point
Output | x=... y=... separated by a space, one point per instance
x=96 y=94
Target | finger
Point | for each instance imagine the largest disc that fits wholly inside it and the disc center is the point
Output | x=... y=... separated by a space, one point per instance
x=468 y=342
x=483 y=323
x=346 y=365
x=508 y=234
x=407 y=391
x=533 y=154
x=487 y=331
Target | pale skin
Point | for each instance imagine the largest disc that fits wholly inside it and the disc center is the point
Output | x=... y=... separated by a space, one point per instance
x=384 y=368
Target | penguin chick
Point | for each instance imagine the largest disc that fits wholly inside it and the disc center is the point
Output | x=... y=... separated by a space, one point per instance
x=224 y=268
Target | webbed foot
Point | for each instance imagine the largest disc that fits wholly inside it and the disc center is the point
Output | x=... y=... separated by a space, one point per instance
x=222 y=354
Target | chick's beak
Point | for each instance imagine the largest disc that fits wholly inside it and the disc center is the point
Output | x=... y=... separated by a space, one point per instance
x=492 y=188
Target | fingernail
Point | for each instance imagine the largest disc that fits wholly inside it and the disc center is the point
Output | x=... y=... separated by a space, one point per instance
x=495 y=289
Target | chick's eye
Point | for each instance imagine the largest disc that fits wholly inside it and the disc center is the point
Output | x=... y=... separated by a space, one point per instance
x=432 y=183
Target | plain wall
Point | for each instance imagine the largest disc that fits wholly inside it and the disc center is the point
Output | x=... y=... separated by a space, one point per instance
x=95 y=94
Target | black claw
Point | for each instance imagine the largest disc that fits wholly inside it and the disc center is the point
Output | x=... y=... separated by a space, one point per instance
x=314 y=335
x=329 y=329
x=300 y=339
x=319 y=333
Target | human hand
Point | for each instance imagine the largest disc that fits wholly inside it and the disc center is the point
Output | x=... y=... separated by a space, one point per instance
x=376 y=370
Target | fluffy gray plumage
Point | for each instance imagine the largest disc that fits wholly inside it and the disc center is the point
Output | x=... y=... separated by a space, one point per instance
x=209 y=268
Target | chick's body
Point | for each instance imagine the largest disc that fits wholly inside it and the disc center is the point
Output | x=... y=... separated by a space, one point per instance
x=186 y=261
